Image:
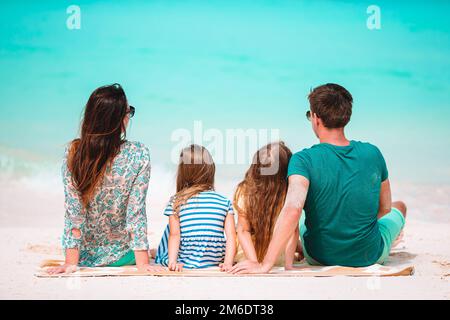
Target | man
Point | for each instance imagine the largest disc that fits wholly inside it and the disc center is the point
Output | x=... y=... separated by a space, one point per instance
x=344 y=189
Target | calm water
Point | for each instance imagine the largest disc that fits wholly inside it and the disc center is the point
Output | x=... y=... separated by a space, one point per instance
x=231 y=64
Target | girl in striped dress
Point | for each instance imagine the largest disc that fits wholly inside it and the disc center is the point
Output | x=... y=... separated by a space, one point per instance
x=201 y=231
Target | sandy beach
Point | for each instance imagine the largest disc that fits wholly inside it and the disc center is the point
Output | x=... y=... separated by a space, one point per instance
x=30 y=232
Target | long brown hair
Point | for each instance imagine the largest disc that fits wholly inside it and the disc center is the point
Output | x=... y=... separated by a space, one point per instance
x=196 y=171
x=259 y=198
x=102 y=133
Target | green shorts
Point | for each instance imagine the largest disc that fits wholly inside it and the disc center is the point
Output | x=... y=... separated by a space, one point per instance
x=389 y=225
x=127 y=260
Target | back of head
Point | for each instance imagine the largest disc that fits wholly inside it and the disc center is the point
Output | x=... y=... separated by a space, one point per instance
x=102 y=133
x=260 y=197
x=332 y=103
x=196 y=172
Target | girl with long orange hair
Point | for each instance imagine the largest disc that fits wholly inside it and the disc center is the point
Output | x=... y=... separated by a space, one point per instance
x=105 y=181
x=201 y=231
x=258 y=201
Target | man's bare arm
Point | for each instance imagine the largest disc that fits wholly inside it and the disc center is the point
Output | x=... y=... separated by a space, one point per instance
x=288 y=220
x=385 y=203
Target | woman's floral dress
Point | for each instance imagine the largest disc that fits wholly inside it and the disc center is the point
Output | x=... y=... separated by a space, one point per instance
x=116 y=212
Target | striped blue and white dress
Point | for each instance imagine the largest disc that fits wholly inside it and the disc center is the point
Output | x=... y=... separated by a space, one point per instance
x=202 y=221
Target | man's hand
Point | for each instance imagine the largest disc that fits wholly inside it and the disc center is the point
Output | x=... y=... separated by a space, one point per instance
x=149 y=268
x=249 y=267
x=65 y=268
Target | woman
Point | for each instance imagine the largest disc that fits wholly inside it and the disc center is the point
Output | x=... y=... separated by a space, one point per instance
x=105 y=184
x=258 y=201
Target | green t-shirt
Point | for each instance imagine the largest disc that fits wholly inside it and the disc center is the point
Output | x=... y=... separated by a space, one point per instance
x=342 y=203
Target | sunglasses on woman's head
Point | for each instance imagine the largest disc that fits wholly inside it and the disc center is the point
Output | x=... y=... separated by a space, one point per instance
x=132 y=111
x=308 y=115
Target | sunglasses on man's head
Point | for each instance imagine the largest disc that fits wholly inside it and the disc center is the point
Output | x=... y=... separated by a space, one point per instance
x=132 y=111
x=308 y=115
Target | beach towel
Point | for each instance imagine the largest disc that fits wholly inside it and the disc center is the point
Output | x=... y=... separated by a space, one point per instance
x=302 y=270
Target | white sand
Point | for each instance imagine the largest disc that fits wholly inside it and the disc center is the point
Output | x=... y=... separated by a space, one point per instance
x=30 y=228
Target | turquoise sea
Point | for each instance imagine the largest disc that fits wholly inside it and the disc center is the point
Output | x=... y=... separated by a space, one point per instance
x=231 y=64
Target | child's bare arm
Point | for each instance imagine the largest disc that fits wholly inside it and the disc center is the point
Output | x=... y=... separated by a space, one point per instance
x=174 y=243
x=291 y=247
x=230 y=253
x=245 y=238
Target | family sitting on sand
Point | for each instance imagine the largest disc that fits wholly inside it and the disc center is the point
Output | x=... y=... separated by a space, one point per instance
x=342 y=186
